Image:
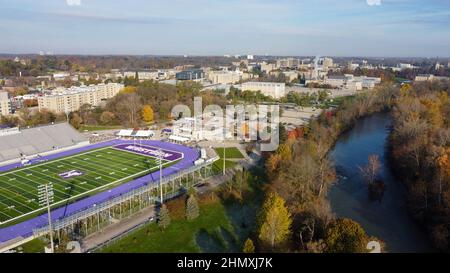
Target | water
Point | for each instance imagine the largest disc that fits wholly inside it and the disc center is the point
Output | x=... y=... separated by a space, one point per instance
x=388 y=220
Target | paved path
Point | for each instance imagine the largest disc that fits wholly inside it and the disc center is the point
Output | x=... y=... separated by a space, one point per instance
x=116 y=229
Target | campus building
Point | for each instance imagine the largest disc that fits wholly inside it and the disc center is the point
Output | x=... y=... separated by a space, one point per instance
x=5 y=104
x=273 y=89
x=189 y=75
x=71 y=99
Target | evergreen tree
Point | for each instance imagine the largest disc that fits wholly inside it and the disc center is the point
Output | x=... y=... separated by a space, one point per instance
x=163 y=217
x=192 y=209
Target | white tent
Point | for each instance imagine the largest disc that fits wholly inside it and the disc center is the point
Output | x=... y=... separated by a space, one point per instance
x=144 y=133
x=125 y=133
x=178 y=138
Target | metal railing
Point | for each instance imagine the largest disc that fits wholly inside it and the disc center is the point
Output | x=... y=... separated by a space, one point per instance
x=96 y=208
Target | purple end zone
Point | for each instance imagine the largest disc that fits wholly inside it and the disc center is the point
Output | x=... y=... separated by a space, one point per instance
x=150 y=151
x=25 y=229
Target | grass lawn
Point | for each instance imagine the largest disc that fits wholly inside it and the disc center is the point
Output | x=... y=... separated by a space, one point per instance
x=212 y=231
x=231 y=152
x=33 y=246
x=218 y=165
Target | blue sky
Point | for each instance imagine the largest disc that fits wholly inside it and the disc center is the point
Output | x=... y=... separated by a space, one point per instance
x=404 y=28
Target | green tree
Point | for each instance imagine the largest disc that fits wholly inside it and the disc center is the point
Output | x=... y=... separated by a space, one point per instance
x=164 y=217
x=192 y=209
x=345 y=236
x=275 y=221
x=249 y=247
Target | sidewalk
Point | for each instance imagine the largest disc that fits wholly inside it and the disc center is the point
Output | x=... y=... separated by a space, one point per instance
x=116 y=229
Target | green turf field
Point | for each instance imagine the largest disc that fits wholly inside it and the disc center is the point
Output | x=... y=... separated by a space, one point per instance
x=101 y=168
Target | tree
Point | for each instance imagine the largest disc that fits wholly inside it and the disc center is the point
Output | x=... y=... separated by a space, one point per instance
x=275 y=221
x=345 y=236
x=129 y=89
x=147 y=113
x=249 y=247
x=285 y=151
x=163 y=217
x=371 y=170
x=75 y=120
x=128 y=107
x=107 y=117
x=192 y=209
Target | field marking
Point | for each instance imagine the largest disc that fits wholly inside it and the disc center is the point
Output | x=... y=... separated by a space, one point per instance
x=50 y=163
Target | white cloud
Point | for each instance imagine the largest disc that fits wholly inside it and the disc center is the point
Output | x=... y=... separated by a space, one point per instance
x=73 y=2
x=374 y=2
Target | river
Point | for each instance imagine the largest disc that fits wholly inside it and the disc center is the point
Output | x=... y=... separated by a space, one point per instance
x=388 y=220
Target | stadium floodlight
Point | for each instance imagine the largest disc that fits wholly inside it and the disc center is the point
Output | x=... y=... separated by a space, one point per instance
x=224 y=159
x=45 y=194
x=160 y=175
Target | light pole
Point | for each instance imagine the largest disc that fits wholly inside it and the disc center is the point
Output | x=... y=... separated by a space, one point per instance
x=224 y=159
x=45 y=193
x=160 y=175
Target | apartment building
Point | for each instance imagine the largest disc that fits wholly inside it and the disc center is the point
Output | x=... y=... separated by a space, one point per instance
x=71 y=99
x=273 y=89
x=5 y=104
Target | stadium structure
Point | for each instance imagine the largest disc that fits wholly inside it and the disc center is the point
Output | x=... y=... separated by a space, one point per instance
x=94 y=185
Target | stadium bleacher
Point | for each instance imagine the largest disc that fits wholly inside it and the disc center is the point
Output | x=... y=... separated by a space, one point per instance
x=28 y=142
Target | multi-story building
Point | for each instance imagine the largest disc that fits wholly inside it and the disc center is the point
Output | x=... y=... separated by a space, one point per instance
x=288 y=63
x=267 y=67
x=5 y=104
x=148 y=75
x=223 y=77
x=71 y=99
x=189 y=75
x=273 y=89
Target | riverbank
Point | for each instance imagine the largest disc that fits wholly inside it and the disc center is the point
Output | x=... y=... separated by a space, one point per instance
x=387 y=220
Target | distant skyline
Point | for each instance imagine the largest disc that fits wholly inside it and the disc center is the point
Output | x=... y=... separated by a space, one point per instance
x=373 y=28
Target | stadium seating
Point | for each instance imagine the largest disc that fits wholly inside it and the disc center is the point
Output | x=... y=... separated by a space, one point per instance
x=38 y=140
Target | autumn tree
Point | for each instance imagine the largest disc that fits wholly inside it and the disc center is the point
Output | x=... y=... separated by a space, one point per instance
x=345 y=236
x=275 y=221
x=107 y=117
x=249 y=247
x=75 y=120
x=147 y=113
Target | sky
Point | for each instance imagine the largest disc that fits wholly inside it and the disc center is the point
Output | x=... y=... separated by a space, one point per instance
x=373 y=28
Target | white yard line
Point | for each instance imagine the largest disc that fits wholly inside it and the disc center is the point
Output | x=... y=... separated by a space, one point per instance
x=87 y=192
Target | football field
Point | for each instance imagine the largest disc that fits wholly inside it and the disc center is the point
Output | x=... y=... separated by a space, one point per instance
x=72 y=177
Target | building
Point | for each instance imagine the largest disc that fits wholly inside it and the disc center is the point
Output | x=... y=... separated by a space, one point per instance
x=273 y=89
x=429 y=77
x=288 y=63
x=336 y=81
x=189 y=75
x=71 y=99
x=148 y=75
x=5 y=104
x=348 y=81
x=267 y=67
x=224 y=77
